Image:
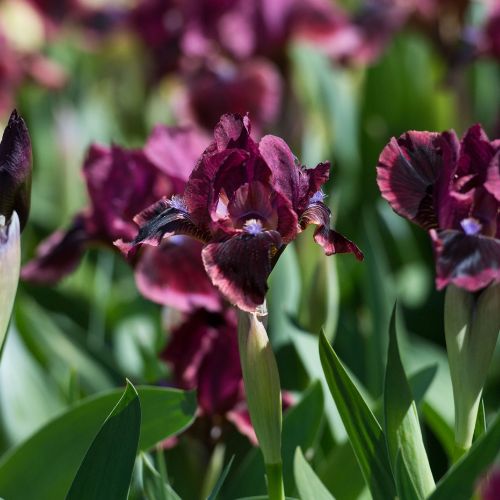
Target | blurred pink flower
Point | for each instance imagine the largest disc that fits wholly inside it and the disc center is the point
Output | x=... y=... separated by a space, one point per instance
x=121 y=182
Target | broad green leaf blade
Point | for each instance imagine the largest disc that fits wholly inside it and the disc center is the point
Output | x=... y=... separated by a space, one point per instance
x=402 y=427
x=308 y=483
x=155 y=488
x=365 y=433
x=218 y=485
x=165 y=412
x=459 y=481
x=106 y=470
x=301 y=424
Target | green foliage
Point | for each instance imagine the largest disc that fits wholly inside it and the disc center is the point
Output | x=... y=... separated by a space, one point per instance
x=308 y=484
x=165 y=412
x=106 y=470
x=365 y=433
x=402 y=428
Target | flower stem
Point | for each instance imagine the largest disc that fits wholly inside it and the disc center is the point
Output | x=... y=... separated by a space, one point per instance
x=275 y=489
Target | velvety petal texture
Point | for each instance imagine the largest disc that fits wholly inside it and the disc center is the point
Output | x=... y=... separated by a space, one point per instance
x=15 y=170
x=173 y=274
x=451 y=188
x=245 y=200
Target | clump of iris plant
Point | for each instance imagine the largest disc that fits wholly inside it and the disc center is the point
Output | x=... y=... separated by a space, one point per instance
x=245 y=201
x=451 y=188
x=15 y=190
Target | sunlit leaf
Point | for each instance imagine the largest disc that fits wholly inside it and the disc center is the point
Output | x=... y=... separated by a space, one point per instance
x=402 y=427
x=308 y=483
x=365 y=433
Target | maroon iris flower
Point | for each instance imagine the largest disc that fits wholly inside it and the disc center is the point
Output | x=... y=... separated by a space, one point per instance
x=202 y=352
x=253 y=87
x=452 y=189
x=245 y=201
x=121 y=182
x=15 y=170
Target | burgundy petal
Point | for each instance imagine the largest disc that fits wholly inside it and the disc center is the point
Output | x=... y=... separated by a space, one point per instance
x=203 y=353
x=471 y=262
x=162 y=219
x=241 y=265
x=240 y=418
x=15 y=169
x=493 y=177
x=331 y=241
x=232 y=131
x=121 y=182
x=406 y=175
x=175 y=151
x=173 y=275
x=58 y=255
x=476 y=153
x=253 y=87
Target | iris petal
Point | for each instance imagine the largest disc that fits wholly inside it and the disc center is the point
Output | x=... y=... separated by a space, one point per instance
x=240 y=266
x=471 y=262
x=331 y=241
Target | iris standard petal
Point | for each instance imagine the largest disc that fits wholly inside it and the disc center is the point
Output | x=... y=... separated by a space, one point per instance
x=406 y=175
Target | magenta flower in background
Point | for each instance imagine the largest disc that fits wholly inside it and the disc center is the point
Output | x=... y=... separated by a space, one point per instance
x=15 y=170
x=202 y=352
x=245 y=201
x=121 y=182
x=452 y=189
x=489 y=486
x=254 y=87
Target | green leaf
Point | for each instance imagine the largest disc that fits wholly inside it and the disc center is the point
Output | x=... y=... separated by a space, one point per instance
x=165 y=412
x=106 y=470
x=405 y=485
x=459 y=481
x=300 y=427
x=402 y=427
x=218 y=485
x=480 y=428
x=308 y=483
x=155 y=488
x=365 y=433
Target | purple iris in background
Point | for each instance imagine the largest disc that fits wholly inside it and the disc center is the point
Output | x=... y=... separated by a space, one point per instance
x=121 y=182
x=452 y=189
x=15 y=171
x=244 y=201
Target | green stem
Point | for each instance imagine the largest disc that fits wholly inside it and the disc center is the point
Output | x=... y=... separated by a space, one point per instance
x=275 y=488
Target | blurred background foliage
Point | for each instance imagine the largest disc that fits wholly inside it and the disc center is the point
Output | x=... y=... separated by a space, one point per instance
x=94 y=329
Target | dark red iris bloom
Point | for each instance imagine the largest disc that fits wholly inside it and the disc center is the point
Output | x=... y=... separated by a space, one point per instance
x=121 y=182
x=452 y=189
x=202 y=352
x=245 y=201
x=15 y=170
x=253 y=86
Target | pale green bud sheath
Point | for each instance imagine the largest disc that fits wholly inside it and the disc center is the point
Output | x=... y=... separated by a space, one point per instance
x=263 y=394
x=10 y=264
x=472 y=325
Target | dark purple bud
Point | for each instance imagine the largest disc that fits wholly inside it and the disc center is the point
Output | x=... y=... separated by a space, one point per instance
x=15 y=170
